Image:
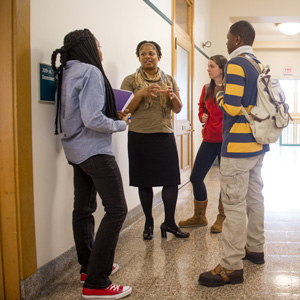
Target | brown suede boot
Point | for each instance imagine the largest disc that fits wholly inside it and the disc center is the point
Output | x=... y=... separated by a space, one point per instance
x=217 y=227
x=199 y=218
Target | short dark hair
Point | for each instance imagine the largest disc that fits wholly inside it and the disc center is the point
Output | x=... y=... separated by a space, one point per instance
x=245 y=30
x=156 y=46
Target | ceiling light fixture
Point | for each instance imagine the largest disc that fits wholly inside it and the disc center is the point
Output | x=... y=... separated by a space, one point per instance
x=289 y=28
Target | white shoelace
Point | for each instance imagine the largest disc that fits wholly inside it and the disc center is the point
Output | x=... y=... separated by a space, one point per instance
x=114 y=287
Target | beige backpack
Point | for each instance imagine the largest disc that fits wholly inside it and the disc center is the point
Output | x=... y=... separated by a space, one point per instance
x=270 y=114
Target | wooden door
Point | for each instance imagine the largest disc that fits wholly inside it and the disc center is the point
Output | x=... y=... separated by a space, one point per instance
x=17 y=235
x=183 y=73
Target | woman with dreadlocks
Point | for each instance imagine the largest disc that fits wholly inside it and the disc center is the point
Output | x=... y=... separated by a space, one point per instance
x=153 y=158
x=87 y=117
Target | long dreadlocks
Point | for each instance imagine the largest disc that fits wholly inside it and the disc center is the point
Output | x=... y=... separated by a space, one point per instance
x=80 y=45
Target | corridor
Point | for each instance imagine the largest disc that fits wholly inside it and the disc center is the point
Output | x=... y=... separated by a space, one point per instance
x=168 y=269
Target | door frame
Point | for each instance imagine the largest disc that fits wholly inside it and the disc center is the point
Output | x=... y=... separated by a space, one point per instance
x=17 y=231
x=186 y=41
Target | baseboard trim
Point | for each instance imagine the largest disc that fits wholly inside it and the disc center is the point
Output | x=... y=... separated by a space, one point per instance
x=32 y=287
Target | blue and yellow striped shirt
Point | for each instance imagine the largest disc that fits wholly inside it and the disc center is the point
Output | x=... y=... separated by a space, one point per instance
x=240 y=89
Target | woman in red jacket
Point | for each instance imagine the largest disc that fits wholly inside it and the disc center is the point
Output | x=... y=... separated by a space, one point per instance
x=212 y=117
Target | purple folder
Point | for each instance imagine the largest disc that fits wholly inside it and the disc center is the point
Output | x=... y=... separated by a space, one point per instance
x=122 y=98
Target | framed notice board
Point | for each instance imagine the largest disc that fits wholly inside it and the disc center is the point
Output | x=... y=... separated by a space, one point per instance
x=46 y=83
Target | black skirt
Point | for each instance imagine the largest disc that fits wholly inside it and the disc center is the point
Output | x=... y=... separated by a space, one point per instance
x=153 y=159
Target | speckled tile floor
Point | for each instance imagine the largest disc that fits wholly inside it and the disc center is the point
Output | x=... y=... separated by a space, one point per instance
x=168 y=269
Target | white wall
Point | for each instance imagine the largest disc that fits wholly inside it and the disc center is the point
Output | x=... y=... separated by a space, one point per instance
x=119 y=26
x=221 y=11
x=278 y=59
x=164 y=6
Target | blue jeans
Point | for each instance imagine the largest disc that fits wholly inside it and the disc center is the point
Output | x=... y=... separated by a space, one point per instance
x=99 y=173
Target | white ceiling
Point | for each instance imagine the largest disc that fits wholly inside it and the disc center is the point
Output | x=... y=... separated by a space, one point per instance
x=266 y=30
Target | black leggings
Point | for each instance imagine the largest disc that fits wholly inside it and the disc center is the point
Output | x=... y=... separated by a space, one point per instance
x=169 y=197
x=206 y=155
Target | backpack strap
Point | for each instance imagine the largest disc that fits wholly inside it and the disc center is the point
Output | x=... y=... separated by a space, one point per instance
x=251 y=60
x=255 y=65
x=247 y=116
x=265 y=79
x=206 y=88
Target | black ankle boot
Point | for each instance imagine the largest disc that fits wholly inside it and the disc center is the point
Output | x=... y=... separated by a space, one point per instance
x=178 y=233
x=148 y=232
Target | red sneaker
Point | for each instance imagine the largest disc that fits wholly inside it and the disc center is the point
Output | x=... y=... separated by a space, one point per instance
x=114 y=291
x=82 y=277
x=115 y=268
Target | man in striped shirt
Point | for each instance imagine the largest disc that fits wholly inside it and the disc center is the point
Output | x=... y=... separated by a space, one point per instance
x=241 y=163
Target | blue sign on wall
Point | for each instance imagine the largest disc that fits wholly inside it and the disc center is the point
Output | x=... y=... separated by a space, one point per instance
x=47 y=88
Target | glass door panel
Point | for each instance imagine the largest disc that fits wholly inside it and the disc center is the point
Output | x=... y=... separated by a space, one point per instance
x=182 y=15
x=183 y=80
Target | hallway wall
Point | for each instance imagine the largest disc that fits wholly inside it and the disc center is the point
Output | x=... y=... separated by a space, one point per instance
x=119 y=26
x=277 y=58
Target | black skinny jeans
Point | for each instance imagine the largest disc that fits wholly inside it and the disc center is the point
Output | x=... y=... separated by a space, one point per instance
x=99 y=173
x=206 y=156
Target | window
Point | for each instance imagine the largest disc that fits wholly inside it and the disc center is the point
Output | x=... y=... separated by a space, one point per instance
x=182 y=15
x=291 y=134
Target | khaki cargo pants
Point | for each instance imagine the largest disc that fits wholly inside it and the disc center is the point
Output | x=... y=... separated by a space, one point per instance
x=241 y=192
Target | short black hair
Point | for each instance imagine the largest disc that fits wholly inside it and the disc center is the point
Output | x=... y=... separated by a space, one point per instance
x=245 y=30
x=156 y=46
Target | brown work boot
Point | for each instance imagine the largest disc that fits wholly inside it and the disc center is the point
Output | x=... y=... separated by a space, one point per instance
x=199 y=218
x=217 y=226
x=220 y=276
x=255 y=257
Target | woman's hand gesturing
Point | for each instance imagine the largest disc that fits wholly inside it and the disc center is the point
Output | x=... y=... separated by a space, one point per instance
x=151 y=90
x=169 y=91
